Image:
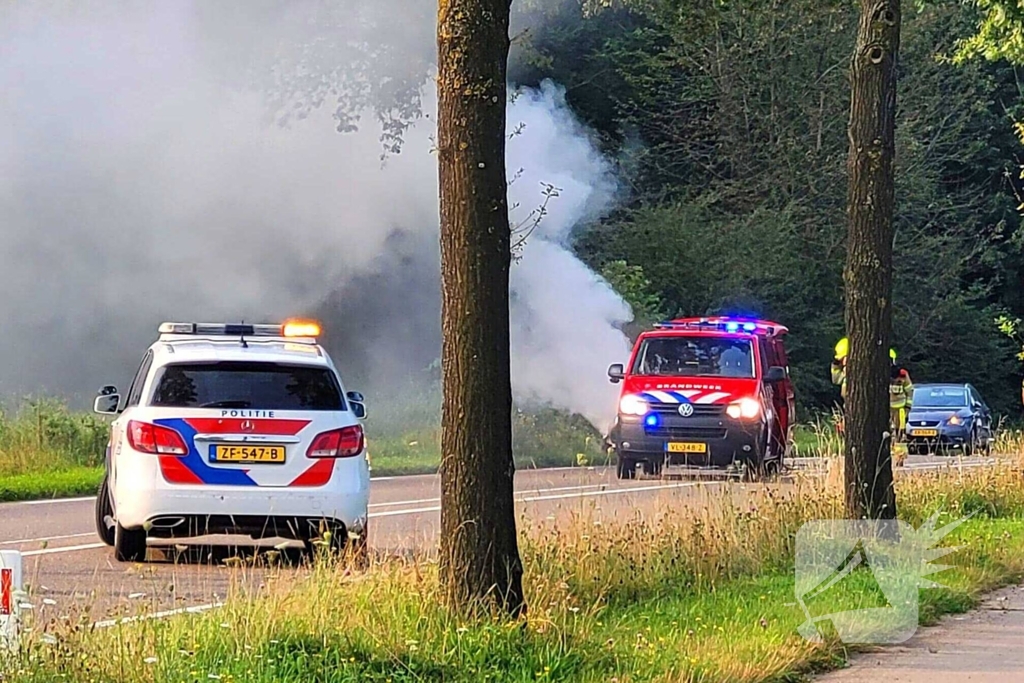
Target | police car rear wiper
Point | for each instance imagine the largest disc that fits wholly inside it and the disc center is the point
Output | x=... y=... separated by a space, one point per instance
x=227 y=404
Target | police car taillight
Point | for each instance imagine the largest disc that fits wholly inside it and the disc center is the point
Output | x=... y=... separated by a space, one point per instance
x=150 y=438
x=337 y=443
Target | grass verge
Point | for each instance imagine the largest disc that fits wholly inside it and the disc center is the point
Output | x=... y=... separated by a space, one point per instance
x=67 y=483
x=697 y=592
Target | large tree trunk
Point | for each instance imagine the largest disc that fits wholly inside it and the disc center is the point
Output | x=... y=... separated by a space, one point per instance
x=480 y=565
x=869 y=489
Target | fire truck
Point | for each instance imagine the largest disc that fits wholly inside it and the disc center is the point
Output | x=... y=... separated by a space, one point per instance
x=710 y=393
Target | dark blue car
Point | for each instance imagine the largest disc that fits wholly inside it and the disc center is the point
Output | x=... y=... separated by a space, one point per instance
x=948 y=416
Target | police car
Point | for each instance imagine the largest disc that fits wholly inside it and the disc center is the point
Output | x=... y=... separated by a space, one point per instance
x=234 y=429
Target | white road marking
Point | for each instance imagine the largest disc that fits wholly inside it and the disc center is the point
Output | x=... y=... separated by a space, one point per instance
x=68 y=549
x=535 y=495
x=518 y=493
x=197 y=609
x=47 y=538
x=541 y=495
x=580 y=494
x=56 y=500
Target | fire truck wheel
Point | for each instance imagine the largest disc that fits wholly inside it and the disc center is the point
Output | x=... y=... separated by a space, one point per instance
x=652 y=468
x=626 y=468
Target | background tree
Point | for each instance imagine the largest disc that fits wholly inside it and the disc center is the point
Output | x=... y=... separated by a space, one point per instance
x=868 y=275
x=480 y=564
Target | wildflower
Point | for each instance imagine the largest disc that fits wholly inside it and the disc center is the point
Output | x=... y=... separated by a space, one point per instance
x=150 y=660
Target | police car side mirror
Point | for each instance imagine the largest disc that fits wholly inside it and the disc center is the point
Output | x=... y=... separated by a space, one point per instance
x=106 y=404
x=775 y=375
x=616 y=373
x=358 y=404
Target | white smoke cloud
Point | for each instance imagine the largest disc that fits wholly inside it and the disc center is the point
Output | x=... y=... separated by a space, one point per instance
x=139 y=183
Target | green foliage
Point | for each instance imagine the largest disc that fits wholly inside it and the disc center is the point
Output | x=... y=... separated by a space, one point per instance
x=44 y=436
x=729 y=123
x=633 y=286
x=999 y=34
x=62 y=483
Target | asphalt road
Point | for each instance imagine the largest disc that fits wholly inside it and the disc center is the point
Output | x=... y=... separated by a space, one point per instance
x=69 y=570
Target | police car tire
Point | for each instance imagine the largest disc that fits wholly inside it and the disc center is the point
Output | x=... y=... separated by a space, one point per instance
x=129 y=544
x=103 y=510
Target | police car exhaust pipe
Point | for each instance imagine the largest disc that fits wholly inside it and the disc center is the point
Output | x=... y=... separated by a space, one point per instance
x=10 y=596
x=167 y=522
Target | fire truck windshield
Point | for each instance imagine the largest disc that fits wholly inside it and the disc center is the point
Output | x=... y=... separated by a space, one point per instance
x=674 y=356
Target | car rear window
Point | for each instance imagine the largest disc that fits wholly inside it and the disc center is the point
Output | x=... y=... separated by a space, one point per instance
x=939 y=397
x=262 y=386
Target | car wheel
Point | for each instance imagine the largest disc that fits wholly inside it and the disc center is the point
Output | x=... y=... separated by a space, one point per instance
x=971 y=445
x=129 y=544
x=626 y=468
x=355 y=551
x=104 y=511
x=359 y=550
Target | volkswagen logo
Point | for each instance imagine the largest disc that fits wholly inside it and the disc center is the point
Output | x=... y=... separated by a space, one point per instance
x=686 y=409
x=248 y=426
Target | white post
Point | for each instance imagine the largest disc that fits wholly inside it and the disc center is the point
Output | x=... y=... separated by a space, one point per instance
x=10 y=597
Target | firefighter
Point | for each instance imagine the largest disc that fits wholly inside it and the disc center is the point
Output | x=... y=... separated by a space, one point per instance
x=897 y=407
x=839 y=365
x=901 y=397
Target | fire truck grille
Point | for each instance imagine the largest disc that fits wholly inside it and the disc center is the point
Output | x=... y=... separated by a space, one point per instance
x=687 y=432
x=698 y=410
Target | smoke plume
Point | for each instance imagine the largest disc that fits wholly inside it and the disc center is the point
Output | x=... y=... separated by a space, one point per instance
x=146 y=175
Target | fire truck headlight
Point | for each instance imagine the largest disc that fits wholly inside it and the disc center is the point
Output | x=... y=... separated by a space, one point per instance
x=631 y=404
x=747 y=408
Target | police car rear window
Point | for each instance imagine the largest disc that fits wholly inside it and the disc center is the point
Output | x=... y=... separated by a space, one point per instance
x=260 y=386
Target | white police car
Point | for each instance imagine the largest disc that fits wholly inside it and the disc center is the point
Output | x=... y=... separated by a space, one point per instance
x=234 y=429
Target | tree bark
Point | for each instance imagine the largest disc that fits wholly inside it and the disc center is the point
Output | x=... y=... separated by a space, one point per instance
x=868 y=276
x=480 y=564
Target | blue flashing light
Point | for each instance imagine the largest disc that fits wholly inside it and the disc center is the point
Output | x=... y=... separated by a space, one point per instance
x=732 y=327
x=652 y=420
x=749 y=327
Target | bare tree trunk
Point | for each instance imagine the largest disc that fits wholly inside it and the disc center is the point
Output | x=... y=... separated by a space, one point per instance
x=869 y=488
x=480 y=565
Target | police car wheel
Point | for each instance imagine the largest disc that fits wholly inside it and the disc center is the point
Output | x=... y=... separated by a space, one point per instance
x=129 y=544
x=104 y=511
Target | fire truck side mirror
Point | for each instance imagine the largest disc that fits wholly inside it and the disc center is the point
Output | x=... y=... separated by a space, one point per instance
x=616 y=373
x=775 y=375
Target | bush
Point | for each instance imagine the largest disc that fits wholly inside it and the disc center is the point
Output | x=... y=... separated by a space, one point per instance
x=44 y=435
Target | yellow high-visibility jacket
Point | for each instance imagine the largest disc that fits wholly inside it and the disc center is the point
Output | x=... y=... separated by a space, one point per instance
x=901 y=392
x=839 y=376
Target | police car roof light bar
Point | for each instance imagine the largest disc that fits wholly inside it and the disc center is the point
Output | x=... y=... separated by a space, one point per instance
x=309 y=330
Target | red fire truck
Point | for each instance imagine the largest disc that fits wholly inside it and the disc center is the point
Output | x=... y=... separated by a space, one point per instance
x=708 y=393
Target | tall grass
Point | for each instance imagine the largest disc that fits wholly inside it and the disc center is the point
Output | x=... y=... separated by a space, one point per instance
x=687 y=589
x=45 y=436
